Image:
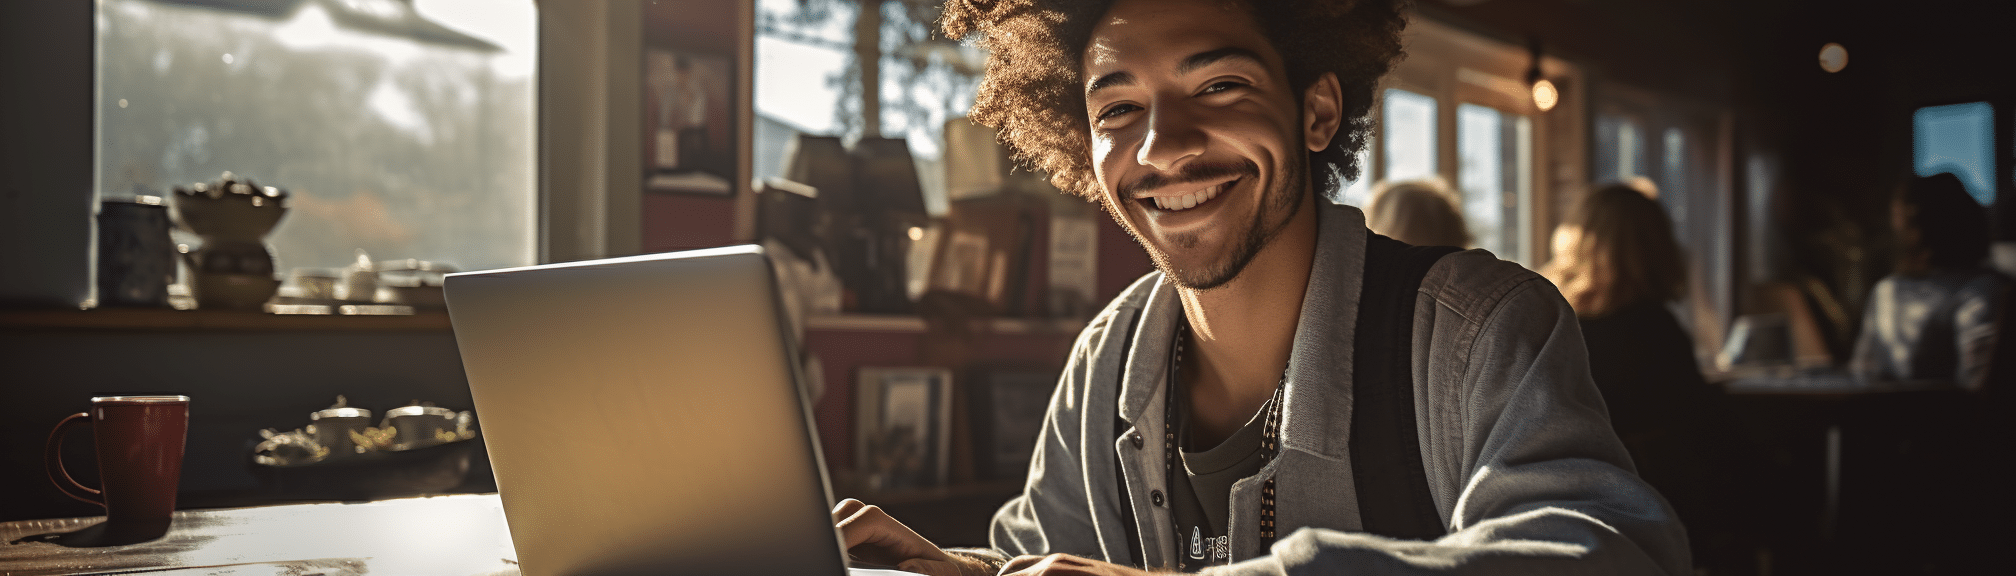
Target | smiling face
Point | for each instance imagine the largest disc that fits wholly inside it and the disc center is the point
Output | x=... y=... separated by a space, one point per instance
x=1198 y=143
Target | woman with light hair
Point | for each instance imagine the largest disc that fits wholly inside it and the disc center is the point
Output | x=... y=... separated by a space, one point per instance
x=1616 y=251
x=1618 y=265
x=1418 y=212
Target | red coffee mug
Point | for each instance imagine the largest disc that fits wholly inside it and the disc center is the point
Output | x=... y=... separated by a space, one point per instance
x=139 y=441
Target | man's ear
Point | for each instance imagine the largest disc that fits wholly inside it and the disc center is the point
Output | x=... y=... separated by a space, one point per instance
x=1322 y=111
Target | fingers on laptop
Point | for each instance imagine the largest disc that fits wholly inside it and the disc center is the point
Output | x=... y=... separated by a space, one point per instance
x=872 y=536
x=847 y=508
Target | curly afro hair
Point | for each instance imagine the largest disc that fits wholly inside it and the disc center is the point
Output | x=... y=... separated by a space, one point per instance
x=1033 y=91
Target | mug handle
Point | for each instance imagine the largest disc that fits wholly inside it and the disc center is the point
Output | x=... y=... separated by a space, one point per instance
x=53 y=458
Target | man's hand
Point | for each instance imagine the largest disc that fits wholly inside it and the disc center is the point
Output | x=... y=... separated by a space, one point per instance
x=874 y=537
x=1065 y=565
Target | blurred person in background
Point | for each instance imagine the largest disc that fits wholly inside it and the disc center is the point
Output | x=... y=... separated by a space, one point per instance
x=1617 y=263
x=1418 y=212
x=1936 y=317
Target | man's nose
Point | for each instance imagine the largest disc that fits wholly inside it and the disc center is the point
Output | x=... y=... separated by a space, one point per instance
x=1172 y=138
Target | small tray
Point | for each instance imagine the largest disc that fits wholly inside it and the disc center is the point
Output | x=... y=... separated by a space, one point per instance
x=371 y=475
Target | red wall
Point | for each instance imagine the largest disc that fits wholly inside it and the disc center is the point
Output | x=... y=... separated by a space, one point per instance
x=677 y=221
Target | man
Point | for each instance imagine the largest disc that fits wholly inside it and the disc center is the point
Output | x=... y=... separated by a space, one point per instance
x=1208 y=128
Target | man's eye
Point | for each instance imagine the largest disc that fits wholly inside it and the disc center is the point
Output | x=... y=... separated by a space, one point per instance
x=1116 y=110
x=1217 y=87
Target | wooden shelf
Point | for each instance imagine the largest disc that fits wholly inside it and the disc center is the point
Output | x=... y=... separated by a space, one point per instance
x=201 y=320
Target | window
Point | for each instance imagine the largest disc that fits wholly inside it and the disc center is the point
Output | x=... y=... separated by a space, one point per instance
x=801 y=58
x=810 y=80
x=1957 y=138
x=1458 y=109
x=1674 y=173
x=1620 y=149
x=1494 y=153
x=404 y=129
x=1408 y=130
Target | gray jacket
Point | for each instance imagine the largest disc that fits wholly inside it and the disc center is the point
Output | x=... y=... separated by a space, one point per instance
x=1524 y=469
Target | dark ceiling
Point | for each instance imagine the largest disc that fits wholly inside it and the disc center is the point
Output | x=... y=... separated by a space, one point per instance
x=1926 y=51
x=1843 y=140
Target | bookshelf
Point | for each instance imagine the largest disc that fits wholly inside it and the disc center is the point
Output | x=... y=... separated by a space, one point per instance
x=1019 y=322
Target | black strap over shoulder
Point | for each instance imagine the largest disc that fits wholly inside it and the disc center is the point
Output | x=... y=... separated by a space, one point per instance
x=1386 y=465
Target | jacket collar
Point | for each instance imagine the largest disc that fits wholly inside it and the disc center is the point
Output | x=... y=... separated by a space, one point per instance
x=1317 y=400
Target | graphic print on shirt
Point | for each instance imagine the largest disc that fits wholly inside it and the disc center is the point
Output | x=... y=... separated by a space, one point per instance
x=1214 y=550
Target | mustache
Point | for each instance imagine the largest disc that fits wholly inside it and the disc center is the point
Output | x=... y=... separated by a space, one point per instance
x=1193 y=173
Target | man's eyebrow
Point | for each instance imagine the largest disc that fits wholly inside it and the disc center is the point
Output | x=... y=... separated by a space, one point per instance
x=1109 y=81
x=1209 y=57
x=1188 y=65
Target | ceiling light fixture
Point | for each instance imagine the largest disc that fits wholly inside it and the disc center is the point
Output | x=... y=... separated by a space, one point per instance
x=1545 y=95
x=1833 y=57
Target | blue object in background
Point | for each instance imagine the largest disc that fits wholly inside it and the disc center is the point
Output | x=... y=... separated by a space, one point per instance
x=1957 y=138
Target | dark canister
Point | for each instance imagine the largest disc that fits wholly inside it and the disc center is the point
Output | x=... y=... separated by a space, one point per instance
x=136 y=258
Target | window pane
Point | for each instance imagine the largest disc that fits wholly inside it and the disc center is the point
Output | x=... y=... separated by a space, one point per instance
x=1620 y=149
x=1480 y=174
x=1673 y=186
x=927 y=80
x=808 y=81
x=1520 y=180
x=1408 y=129
x=405 y=130
x=1958 y=139
x=801 y=63
x=1489 y=145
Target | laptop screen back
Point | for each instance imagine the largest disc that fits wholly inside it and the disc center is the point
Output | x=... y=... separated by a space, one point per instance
x=643 y=415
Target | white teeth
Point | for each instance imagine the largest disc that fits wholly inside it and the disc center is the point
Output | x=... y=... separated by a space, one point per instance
x=1188 y=201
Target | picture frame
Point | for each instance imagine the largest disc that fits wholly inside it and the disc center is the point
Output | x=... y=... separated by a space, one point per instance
x=902 y=426
x=688 y=117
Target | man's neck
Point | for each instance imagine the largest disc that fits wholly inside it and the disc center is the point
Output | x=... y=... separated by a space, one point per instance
x=1241 y=333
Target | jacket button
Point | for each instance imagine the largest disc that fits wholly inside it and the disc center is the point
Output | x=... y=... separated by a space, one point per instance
x=1155 y=496
x=1137 y=440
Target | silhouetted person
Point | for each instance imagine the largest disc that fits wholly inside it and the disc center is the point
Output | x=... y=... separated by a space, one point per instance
x=1418 y=212
x=1936 y=317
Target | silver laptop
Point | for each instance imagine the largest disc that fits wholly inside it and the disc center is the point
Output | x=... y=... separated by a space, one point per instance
x=644 y=415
